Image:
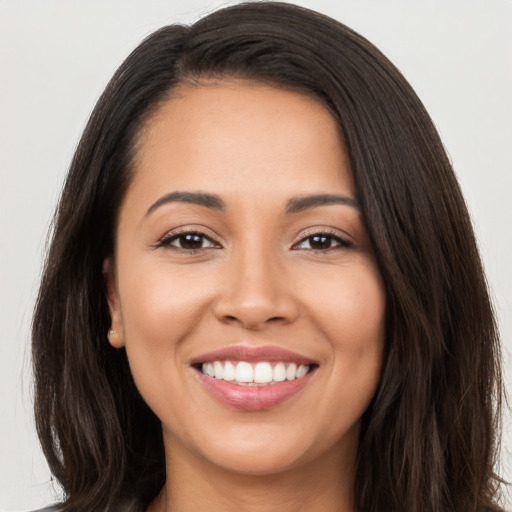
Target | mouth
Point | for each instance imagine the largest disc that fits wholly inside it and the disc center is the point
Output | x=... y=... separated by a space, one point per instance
x=251 y=378
x=262 y=373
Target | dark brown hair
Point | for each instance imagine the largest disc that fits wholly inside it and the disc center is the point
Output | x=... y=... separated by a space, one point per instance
x=429 y=438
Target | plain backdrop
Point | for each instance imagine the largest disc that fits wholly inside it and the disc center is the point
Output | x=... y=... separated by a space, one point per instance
x=57 y=56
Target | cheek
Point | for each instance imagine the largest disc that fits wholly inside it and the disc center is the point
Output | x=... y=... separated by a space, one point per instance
x=359 y=344
x=160 y=308
x=351 y=316
x=350 y=307
x=158 y=301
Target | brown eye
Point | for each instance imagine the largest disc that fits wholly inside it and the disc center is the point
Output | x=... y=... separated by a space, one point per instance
x=188 y=241
x=191 y=241
x=322 y=242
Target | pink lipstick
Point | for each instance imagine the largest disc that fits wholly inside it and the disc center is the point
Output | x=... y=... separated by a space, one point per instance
x=253 y=378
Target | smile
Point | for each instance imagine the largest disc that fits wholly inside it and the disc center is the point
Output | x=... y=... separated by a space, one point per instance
x=254 y=378
x=263 y=373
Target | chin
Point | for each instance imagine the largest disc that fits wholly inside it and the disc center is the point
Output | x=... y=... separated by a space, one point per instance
x=262 y=461
x=259 y=451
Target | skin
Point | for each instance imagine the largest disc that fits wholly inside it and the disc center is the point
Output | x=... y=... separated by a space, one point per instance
x=251 y=282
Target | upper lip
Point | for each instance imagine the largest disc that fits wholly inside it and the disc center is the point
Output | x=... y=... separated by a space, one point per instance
x=252 y=354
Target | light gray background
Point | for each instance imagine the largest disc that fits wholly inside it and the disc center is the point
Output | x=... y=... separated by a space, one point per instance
x=57 y=56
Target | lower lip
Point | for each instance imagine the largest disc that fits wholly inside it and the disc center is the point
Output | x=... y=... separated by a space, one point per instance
x=253 y=398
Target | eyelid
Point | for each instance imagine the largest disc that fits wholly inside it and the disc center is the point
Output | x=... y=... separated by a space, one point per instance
x=344 y=241
x=175 y=233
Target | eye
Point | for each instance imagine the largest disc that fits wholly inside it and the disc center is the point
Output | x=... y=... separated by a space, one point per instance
x=322 y=242
x=188 y=241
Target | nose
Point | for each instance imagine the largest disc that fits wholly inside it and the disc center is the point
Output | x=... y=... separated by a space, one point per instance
x=255 y=292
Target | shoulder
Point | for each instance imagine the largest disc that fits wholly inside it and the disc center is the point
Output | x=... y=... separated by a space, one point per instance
x=51 y=508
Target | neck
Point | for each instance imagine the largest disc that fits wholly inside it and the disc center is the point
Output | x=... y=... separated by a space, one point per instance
x=326 y=483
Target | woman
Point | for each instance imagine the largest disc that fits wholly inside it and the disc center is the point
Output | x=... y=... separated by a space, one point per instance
x=263 y=290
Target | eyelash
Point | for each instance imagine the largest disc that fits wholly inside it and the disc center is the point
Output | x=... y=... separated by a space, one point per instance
x=167 y=241
x=343 y=243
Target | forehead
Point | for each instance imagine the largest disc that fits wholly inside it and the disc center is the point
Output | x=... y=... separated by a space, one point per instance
x=235 y=137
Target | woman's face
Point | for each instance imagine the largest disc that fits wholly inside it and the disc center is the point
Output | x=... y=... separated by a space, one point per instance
x=242 y=253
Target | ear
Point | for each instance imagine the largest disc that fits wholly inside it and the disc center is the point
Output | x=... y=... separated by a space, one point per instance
x=116 y=333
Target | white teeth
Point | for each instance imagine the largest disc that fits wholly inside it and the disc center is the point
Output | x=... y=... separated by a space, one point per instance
x=301 y=371
x=209 y=370
x=260 y=373
x=229 y=371
x=290 y=371
x=279 y=373
x=244 y=372
x=218 y=370
x=263 y=373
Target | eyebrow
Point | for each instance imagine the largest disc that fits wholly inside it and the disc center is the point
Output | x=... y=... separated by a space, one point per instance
x=199 y=198
x=299 y=204
x=294 y=205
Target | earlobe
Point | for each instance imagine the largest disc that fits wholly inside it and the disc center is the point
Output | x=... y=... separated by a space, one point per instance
x=115 y=334
x=115 y=338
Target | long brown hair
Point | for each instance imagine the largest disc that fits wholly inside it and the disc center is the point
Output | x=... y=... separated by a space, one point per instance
x=428 y=440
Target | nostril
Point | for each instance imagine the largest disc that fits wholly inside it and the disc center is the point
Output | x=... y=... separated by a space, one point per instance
x=253 y=312
x=233 y=318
